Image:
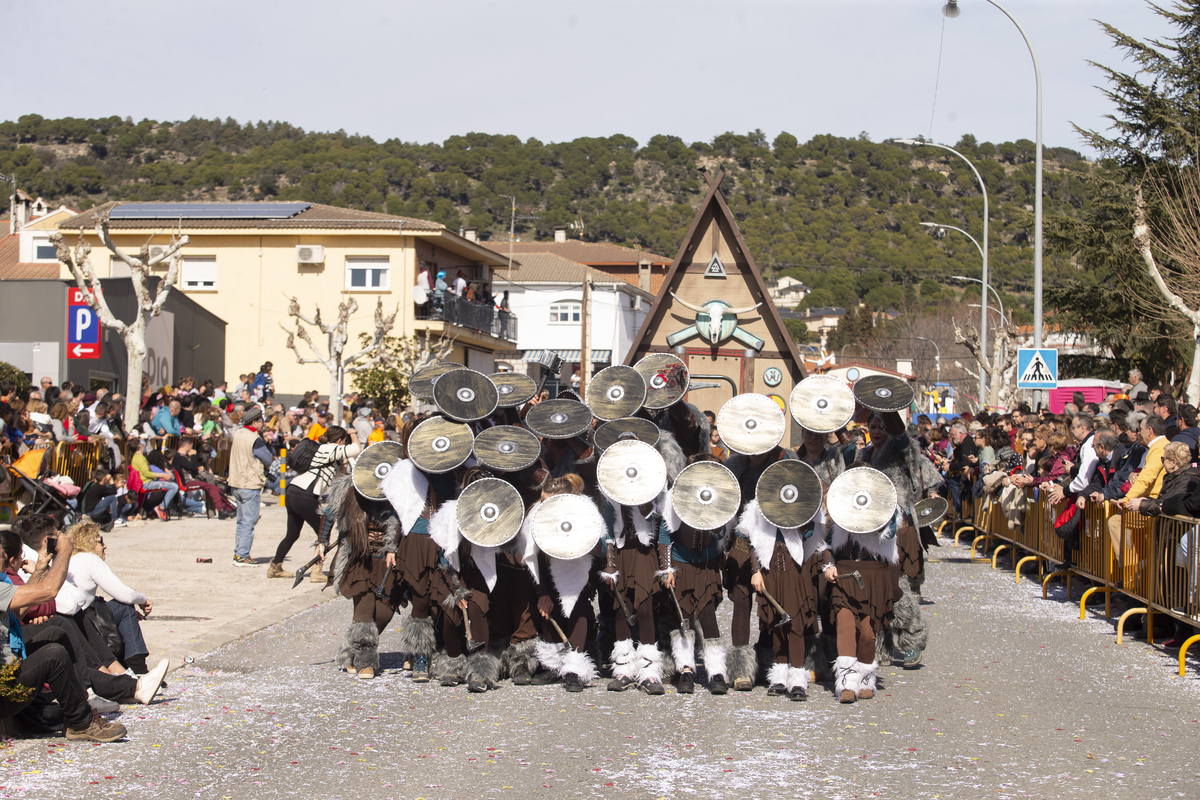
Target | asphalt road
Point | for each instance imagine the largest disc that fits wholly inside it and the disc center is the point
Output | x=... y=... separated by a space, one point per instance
x=1017 y=698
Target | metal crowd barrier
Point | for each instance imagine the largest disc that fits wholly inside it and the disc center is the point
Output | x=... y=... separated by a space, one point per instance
x=1153 y=561
x=76 y=460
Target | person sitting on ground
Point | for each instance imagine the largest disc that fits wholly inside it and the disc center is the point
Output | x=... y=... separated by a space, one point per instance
x=154 y=479
x=105 y=498
x=46 y=662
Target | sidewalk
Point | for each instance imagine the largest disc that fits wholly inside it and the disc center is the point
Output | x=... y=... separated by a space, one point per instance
x=199 y=607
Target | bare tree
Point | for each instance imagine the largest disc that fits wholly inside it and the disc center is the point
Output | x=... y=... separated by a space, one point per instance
x=334 y=359
x=149 y=301
x=1179 y=284
x=999 y=368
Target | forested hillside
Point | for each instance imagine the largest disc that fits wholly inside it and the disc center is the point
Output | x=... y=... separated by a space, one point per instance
x=841 y=214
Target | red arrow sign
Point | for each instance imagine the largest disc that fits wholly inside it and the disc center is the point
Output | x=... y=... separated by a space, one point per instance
x=83 y=351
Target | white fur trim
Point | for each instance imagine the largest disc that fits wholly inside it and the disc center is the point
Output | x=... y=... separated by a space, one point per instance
x=581 y=664
x=797 y=677
x=527 y=547
x=646 y=533
x=406 y=488
x=611 y=577
x=845 y=675
x=714 y=659
x=550 y=655
x=625 y=664
x=650 y=663
x=485 y=559
x=881 y=544
x=683 y=649
x=777 y=675
x=760 y=532
x=668 y=511
x=443 y=529
x=570 y=578
x=866 y=674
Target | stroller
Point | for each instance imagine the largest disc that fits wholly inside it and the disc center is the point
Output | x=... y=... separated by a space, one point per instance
x=28 y=493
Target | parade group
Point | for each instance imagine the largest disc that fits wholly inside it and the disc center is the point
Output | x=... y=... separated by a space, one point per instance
x=560 y=541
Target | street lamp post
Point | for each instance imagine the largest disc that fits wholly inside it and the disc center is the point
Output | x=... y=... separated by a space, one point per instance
x=952 y=10
x=937 y=359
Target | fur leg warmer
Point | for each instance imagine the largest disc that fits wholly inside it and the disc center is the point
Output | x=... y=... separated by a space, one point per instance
x=361 y=647
x=483 y=667
x=819 y=652
x=743 y=663
x=714 y=660
x=777 y=675
x=519 y=658
x=550 y=655
x=866 y=674
x=797 y=677
x=417 y=638
x=846 y=677
x=649 y=661
x=909 y=625
x=624 y=660
x=581 y=664
x=884 y=646
x=683 y=649
x=444 y=666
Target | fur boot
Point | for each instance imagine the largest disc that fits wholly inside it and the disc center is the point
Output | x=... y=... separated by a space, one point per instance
x=766 y=657
x=550 y=655
x=909 y=626
x=884 y=646
x=649 y=662
x=683 y=650
x=714 y=660
x=445 y=666
x=797 y=678
x=624 y=660
x=846 y=677
x=417 y=638
x=777 y=675
x=519 y=658
x=819 y=652
x=360 y=648
x=482 y=667
x=743 y=663
x=866 y=678
x=580 y=664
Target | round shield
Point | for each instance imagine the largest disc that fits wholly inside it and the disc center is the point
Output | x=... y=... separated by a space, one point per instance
x=666 y=379
x=788 y=493
x=706 y=495
x=372 y=465
x=883 y=393
x=861 y=500
x=559 y=419
x=751 y=423
x=821 y=403
x=631 y=473
x=930 y=511
x=616 y=392
x=465 y=395
x=439 y=445
x=420 y=385
x=641 y=429
x=507 y=448
x=513 y=388
x=567 y=526
x=490 y=512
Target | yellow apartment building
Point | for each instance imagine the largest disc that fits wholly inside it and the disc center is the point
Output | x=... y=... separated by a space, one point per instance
x=245 y=261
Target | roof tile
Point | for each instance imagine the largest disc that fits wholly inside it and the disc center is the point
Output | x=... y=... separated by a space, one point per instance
x=317 y=216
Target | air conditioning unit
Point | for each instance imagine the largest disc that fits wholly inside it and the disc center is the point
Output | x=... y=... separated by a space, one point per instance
x=310 y=254
x=156 y=251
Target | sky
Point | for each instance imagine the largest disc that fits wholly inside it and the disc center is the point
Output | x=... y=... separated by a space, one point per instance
x=561 y=69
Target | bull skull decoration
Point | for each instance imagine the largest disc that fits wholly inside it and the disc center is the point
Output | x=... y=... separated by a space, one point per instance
x=715 y=322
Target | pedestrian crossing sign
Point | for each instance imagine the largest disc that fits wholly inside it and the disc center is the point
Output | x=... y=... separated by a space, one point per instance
x=1037 y=368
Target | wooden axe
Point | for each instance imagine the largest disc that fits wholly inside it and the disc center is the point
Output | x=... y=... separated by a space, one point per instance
x=685 y=624
x=858 y=578
x=630 y=618
x=784 y=617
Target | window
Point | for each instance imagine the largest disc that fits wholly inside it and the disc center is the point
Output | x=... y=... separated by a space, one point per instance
x=117 y=268
x=566 y=312
x=43 y=250
x=200 y=273
x=366 y=274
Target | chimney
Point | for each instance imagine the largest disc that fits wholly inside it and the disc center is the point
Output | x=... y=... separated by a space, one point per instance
x=560 y=233
x=644 y=275
x=472 y=234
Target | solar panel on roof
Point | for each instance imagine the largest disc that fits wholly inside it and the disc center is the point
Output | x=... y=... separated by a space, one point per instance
x=208 y=210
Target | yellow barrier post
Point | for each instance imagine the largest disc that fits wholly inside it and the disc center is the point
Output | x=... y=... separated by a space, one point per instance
x=1022 y=562
x=996 y=553
x=1183 y=652
x=1121 y=622
x=1083 y=600
x=283 y=478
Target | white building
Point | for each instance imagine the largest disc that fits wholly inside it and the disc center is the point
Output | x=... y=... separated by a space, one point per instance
x=546 y=295
x=787 y=291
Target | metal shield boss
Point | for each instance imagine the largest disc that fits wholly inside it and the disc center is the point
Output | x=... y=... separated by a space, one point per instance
x=372 y=465
x=883 y=393
x=751 y=423
x=513 y=388
x=631 y=473
x=788 y=493
x=821 y=403
x=490 y=512
x=706 y=495
x=666 y=379
x=465 y=395
x=629 y=427
x=559 y=419
x=440 y=445
x=616 y=392
x=861 y=500
x=567 y=526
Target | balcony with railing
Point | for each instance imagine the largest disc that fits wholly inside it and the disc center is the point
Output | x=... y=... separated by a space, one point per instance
x=480 y=317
